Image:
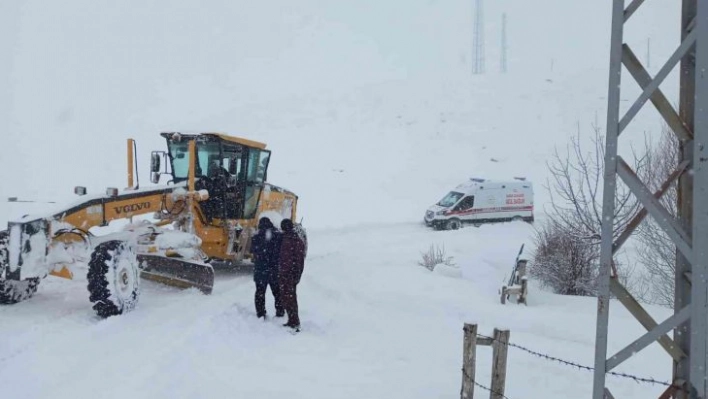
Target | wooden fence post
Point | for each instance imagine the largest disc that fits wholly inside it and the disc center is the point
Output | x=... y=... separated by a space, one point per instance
x=524 y=291
x=499 y=352
x=468 y=361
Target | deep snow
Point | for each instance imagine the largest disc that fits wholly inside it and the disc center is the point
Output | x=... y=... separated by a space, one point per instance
x=374 y=324
x=372 y=116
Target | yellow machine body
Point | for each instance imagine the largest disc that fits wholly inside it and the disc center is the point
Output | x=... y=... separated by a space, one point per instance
x=182 y=205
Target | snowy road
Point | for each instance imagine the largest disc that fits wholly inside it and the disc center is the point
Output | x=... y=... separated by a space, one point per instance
x=375 y=324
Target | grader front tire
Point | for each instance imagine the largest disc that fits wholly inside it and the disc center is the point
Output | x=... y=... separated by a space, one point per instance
x=113 y=279
x=12 y=291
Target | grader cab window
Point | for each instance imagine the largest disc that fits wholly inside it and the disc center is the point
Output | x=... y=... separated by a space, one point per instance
x=257 y=172
x=233 y=160
x=232 y=173
x=208 y=159
x=180 y=160
x=258 y=165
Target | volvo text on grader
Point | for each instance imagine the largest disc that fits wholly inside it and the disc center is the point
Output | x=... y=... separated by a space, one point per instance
x=206 y=213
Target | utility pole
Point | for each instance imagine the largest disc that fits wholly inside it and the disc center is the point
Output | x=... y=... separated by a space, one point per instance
x=502 y=62
x=478 y=40
x=688 y=349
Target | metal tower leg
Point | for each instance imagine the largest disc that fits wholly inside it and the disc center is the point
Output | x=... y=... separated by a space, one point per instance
x=699 y=276
x=608 y=206
x=689 y=349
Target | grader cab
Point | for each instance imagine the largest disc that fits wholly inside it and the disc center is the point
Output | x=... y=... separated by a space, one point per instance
x=205 y=213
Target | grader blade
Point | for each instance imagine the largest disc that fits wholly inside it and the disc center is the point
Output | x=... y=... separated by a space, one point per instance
x=177 y=272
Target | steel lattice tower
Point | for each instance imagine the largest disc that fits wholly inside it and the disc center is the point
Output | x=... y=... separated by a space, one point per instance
x=690 y=231
x=478 y=39
x=502 y=61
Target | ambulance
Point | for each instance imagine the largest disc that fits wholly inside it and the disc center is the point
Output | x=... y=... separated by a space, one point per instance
x=480 y=201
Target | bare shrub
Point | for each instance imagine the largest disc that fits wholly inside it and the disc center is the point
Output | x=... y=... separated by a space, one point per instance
x=436 y=255
x=655 y=250
x=568 y=251
x=564 y=263
x=577 y=180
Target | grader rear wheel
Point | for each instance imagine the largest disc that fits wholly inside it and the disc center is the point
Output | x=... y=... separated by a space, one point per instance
x=12 y=291
x=113 y=279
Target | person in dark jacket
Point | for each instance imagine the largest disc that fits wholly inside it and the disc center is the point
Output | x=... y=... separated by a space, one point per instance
x=291 y=266
x=265 y=247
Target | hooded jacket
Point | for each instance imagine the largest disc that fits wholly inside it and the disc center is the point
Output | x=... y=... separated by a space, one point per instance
x=265 y=247
x=292 y=258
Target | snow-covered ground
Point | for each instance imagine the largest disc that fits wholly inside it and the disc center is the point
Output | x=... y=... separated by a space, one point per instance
x=375 y=324
x=372 y=115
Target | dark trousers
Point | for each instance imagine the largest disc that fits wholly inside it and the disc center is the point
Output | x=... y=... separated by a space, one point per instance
x=261 y=286
x=289 y=292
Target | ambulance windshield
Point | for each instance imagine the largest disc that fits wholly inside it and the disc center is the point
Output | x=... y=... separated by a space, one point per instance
x=450 y=199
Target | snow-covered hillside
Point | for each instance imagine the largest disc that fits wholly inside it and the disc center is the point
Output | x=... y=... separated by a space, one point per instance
x=360 y=102
x=372 y=115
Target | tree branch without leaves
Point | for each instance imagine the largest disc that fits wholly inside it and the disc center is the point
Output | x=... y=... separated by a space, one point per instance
x=656 y=251
x=576 y=188
x=567 y=253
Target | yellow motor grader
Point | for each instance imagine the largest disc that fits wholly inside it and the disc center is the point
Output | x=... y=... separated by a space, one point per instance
x=206 y=213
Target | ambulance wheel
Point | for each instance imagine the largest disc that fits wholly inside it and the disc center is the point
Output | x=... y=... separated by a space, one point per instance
x=453 y=224
x=517 y=218
x=113 y=279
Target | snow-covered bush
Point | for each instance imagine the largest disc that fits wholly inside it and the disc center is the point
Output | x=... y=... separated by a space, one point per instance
x=563 y=262
x=435 y=256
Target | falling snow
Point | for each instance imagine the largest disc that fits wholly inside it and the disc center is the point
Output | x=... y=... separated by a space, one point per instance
x=371 y=113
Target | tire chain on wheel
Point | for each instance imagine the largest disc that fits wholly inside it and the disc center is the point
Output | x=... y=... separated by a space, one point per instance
x=97 y=281
x=4 y=253
x=13 y=291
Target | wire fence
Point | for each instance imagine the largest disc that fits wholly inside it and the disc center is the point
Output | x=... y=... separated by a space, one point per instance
x=637 y=379
x=477 y=384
